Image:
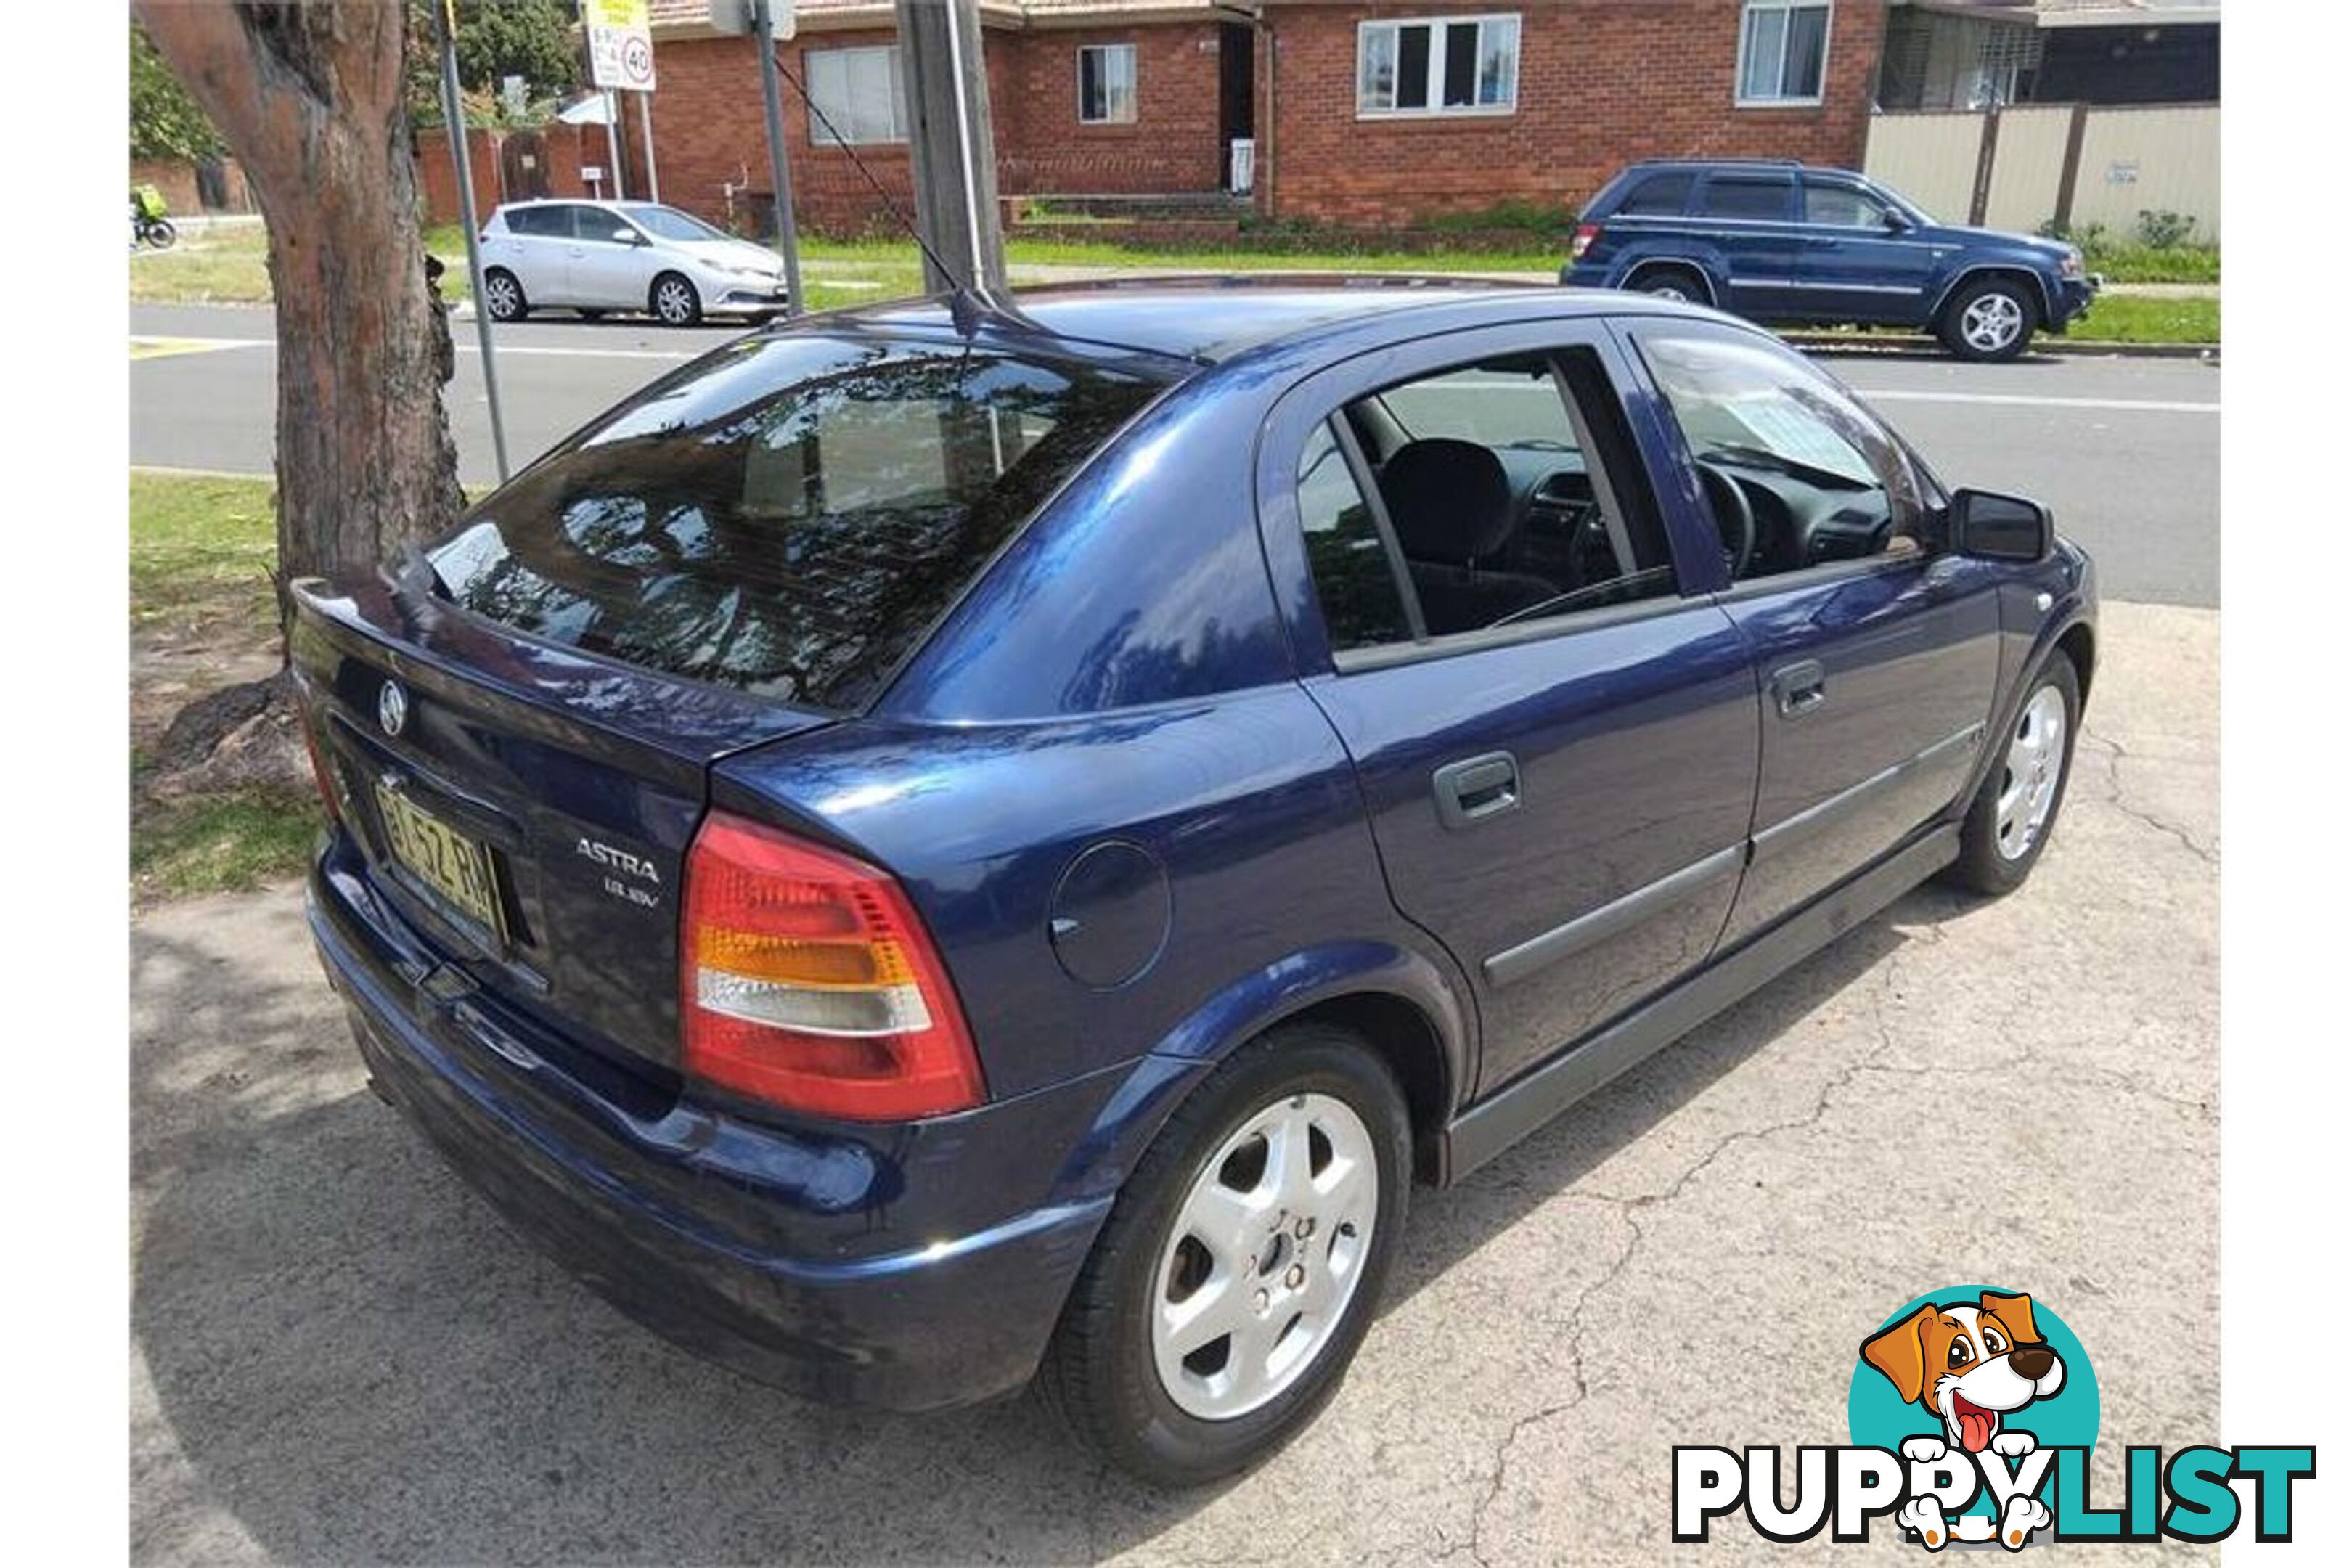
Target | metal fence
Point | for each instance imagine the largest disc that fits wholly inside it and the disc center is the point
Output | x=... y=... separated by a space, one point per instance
x=2032 y=165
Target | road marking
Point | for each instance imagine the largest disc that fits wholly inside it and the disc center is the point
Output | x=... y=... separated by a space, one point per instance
x=1912 y=395
x=165 y=348
x=2017 y=400
x=504 y=349
x=158 y=348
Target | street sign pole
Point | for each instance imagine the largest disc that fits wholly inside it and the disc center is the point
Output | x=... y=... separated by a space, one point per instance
x=453 y=110
x=612 y=142
x=788 y=240
x=645 y=120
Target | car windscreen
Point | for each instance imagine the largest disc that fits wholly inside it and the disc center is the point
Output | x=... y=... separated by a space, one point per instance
x=789 y=516
x=669 y=223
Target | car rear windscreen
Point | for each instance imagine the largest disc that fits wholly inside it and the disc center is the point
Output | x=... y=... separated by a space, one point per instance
x=788 y=517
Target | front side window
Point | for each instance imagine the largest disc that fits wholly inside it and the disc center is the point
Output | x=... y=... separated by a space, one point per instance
x=1841 y=205
x=1453 y=65
x=1106 y=84
x=1783 y=45
x=669 y=223
x=787 y=518
x=859 y=92
x=1498 y=496
x=1796 y=473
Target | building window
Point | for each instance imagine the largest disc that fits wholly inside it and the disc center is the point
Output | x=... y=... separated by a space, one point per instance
x=859 y=90
x=1447 y=65
x=1106 y=84
x=1783 y=46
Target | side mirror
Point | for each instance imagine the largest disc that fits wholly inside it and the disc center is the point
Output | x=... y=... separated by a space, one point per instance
x=1897 y=222
x=627 y=236
x=2001 y=528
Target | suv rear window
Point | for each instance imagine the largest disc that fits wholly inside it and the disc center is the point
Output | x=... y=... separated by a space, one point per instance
x=789 y=517
x=1659 y=194
x=1733 y=196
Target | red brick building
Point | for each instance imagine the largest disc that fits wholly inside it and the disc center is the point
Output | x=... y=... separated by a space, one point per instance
x=1361 y=112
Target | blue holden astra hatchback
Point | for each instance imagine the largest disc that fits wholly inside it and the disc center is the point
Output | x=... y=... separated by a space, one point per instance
x=937 y=845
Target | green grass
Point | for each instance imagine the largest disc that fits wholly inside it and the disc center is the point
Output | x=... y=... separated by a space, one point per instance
x=2133 y=263
x=201 y=554
x=220 y=844
x=201 y=549
x=2133 y=319
x=230 y=266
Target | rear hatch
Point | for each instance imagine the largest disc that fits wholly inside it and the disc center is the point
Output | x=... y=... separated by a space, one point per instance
x=527 y=809
x=519 y=720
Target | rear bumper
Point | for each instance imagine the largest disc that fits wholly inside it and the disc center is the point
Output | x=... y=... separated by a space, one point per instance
x=683 y=1217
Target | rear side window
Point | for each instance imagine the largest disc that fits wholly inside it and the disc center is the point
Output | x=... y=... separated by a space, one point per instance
x=787 y=518
x=541 y=223
x=1361 y=605
x=1733 y=195
x=1656 y=195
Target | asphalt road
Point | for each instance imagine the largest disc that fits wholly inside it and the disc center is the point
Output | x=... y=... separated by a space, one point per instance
x=2126 y=451
x=339 y=1355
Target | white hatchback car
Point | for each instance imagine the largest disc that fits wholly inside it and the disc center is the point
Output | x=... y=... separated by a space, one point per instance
x=594 y=257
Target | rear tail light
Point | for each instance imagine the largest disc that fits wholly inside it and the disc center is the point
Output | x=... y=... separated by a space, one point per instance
x=323 y=773
x=808 y=982
x=1586 y=233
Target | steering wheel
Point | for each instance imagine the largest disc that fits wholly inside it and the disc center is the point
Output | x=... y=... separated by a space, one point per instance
x=1735 y=520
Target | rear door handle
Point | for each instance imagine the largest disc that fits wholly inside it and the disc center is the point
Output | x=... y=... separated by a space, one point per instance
x=1798 y=688
x=1477 y=788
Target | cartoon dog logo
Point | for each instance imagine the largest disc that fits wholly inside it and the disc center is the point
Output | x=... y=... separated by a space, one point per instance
x=1970 y=1363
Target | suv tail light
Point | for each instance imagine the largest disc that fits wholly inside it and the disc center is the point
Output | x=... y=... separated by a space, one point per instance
x=808 y=982
x=1586 y=233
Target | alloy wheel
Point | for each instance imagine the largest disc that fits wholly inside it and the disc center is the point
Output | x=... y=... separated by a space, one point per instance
x=1265 y=1256
x=2028 y=786
x=502 y=297
x=673 y=302
x=1991 y=322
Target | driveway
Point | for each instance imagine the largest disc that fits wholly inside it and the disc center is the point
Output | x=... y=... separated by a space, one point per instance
x=339 y=1355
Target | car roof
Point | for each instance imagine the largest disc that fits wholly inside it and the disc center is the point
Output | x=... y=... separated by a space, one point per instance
x=1212 y=319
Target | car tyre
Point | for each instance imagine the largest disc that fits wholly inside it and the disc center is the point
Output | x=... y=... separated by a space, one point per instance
x=2010 y=822
x=1310 y=1088
x=1672 y=283
x=502 y=295
x=675 y=301
x=1990 y=322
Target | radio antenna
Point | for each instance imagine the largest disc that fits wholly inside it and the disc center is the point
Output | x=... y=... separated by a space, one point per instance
x=965 y=303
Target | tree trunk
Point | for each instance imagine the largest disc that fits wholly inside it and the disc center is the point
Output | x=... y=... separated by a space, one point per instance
x=310 y=99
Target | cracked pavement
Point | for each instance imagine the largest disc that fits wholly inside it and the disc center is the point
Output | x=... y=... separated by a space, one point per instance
x=339 y=1355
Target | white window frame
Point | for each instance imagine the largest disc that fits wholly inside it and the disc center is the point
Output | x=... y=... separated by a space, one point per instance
x=1134 y=83
x=818 y=136
x=1435 y=108
x=1747 y=10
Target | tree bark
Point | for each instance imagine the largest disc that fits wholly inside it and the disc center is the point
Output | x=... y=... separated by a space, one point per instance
x=310 y=98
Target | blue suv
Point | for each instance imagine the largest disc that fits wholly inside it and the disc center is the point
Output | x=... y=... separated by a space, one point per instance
x=1789 y=245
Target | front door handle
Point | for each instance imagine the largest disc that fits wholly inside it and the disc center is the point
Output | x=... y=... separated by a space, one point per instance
x=1798 y=688
x=1477 y=788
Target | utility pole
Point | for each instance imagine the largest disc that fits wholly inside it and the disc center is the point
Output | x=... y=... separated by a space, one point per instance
x=452 y=112
x=788 y=238
x=953 y=146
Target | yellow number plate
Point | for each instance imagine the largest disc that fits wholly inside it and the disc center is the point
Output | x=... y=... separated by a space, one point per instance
x=444 y=860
